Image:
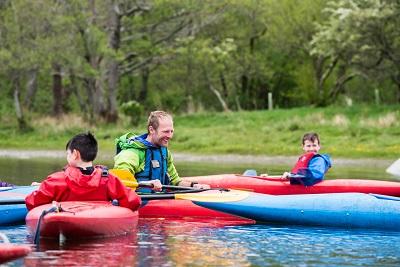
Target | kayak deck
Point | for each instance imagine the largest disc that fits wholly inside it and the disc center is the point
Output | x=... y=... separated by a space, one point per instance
x=79 y=220
x=186 y=209
x=278 y=186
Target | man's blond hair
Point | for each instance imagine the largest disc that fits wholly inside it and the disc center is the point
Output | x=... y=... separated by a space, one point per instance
x=154 y=118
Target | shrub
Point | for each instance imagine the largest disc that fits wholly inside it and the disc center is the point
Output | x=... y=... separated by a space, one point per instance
x=134 y=110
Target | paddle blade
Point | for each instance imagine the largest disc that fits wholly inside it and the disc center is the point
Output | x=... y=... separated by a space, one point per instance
x=215 y=196
x=130 y=184
x=126 y=177
x=394 y=168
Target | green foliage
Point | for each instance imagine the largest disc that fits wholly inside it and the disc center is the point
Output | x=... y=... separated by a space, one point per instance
x=363 y=35
x=194 y=56
x=133 y=110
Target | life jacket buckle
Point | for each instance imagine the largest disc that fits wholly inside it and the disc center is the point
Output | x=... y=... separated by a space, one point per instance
x=104 y=172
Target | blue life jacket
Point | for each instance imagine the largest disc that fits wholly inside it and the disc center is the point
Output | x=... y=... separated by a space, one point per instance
x=156 y=166
x=155 y=159
x=156 y=162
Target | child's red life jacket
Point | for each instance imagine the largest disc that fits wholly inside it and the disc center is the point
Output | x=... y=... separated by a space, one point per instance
x=303 y=161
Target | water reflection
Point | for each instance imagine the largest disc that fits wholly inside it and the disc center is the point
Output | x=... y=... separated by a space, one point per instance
x=184 y=243
x=171 y=242
x=156 y=242
x=159 y=242
x=117 y=251
x=299 y=246
x=203 y=250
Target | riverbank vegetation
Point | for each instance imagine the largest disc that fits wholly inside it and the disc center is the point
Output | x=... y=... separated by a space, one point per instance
x=356 y=132
x=99 y=59
x=328 y=66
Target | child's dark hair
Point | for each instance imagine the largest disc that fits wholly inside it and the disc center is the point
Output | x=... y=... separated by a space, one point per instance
x=310 y=137
x=86 y=144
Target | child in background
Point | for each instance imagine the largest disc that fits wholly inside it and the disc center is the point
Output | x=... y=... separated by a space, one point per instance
x=311 y=166
x=81 y=181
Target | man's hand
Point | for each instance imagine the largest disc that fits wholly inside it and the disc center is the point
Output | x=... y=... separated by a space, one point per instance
x=201 y=186
x=286 y=175
x=195 y=185
x=157 y=186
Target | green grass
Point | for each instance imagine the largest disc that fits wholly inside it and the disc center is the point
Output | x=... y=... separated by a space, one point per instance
x=355 y=132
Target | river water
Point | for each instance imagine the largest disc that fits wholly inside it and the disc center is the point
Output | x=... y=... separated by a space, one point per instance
x=161 y=242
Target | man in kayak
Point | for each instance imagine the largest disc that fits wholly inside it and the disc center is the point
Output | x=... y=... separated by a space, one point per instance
x=311 y=166
x=81 y=181
x=147 y=156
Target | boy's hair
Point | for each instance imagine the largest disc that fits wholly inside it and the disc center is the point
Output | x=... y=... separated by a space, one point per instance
x=310 y=137
x=154 y=118
x=86 y=144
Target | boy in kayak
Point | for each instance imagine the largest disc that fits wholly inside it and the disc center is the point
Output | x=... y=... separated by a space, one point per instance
x=147 y=156
x=81 y=181
x=311 y=166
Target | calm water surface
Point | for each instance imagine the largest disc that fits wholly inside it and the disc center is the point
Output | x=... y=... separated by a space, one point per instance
x=159 y=242
x=24 y=171
x=179 y=243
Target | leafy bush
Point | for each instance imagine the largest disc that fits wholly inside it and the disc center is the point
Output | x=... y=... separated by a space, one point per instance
x=134 y=110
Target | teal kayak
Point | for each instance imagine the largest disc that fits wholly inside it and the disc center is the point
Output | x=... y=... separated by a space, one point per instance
x=349 y=210
x=13 y=213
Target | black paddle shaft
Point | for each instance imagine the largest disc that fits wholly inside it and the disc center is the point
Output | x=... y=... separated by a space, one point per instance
x=11 y=201
x=171 y=195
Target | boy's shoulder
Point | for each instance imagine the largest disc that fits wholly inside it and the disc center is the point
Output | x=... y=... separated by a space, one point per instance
x=54 y=179
x=56 y=175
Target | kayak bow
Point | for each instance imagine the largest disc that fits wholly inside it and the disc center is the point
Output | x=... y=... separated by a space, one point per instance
x=350 y=210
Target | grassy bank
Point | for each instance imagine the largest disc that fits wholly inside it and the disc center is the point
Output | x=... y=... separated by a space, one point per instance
x=345 y=132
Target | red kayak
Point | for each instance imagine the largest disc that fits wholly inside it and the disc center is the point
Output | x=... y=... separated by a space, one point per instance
x=10 y=252
x=277 y=186
x=186 y=209
x=78 y=220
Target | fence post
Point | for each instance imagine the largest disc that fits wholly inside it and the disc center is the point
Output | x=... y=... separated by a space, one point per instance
x=377 y=97
x=270 y=104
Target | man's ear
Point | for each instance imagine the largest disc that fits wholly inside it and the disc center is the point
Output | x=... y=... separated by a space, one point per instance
x=151 y=129
x=76 y=154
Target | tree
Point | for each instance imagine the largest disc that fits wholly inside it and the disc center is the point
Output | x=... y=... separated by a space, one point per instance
x=19 y=51
x=153 y=40
x=363 y=35
x=292 y=25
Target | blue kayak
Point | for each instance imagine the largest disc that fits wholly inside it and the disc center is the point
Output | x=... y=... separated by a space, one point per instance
x=13 y=213
x=350 y=210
